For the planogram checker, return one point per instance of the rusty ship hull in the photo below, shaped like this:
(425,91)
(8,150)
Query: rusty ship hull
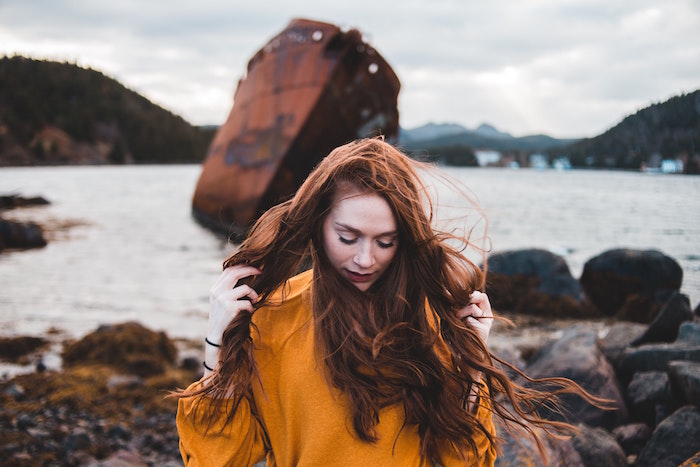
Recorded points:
(310,89)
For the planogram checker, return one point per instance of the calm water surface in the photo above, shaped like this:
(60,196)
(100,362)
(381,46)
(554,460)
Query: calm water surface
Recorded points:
(126,248)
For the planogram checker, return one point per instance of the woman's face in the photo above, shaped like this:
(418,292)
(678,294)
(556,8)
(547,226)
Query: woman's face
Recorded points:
(359,235)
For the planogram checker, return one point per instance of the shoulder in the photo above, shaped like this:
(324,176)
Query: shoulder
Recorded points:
(285,312)
(295,288)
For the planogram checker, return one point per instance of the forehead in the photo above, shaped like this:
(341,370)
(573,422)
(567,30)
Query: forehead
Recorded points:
(362,210)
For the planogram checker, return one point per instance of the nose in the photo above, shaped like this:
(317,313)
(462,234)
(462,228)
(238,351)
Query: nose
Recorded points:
(364,257)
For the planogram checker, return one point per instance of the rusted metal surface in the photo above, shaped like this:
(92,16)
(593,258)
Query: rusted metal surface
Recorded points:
(309,89)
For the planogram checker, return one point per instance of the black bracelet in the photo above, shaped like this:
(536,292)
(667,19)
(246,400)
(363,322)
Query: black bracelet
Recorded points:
(206,339)
(207,366)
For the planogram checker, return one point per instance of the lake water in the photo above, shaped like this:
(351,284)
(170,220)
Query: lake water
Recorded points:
(126,248)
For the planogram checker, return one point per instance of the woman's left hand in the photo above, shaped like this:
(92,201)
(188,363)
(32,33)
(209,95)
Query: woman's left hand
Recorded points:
(478,314)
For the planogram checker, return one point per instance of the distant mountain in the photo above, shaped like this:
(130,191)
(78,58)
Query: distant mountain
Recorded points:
(430,131)
(667,130)
(489,130)
(433,137)
(59,113)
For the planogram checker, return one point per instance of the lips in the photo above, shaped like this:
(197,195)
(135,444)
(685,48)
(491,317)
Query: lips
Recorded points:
(357,277)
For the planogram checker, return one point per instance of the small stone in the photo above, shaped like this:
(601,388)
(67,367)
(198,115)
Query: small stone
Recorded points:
(119,431)
(24,421)
(77,441)
(15,391)
(120,381)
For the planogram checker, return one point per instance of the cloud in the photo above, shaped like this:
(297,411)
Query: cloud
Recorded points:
(562,67)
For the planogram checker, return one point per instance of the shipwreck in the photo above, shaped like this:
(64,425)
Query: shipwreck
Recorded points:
(311,88)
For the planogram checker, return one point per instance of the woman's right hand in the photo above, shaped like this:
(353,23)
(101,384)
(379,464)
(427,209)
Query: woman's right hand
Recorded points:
(227,298)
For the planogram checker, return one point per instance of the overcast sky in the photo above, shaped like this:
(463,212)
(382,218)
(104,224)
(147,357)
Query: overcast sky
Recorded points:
(567,68)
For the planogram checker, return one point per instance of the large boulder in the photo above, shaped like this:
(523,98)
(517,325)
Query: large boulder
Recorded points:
(577,357)
(657,357)
(674,440)
(620,336)
(21,235)
(633,437)
(664,328)
(127,347)
(649,395)
(14,348)
(518,449)
(13,201)
(534,281)
(597,447)
(631,284)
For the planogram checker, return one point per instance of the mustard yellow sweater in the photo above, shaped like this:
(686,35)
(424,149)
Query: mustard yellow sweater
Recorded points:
(302,420)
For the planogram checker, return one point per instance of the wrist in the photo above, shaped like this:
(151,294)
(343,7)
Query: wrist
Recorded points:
(212,342)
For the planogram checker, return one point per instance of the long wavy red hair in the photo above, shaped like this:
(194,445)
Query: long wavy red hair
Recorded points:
(380,347)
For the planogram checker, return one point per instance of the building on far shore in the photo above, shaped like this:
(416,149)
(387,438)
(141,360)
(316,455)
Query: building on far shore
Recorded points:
(487,157)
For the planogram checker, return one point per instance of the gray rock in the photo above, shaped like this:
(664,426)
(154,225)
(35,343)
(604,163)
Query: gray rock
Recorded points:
(534,281)
(79,440)
(25,421)
(518,449)
(618,338)
(577,357)
(597,447)
(20,235)
(632,437)
(510,355)
(646,391)
(689,333)
(656,357)
(674,440)
(665,326)
(686,378)
(121,458)
(620,276)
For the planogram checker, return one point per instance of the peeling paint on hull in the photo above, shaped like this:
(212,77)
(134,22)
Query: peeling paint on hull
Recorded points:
(310,89)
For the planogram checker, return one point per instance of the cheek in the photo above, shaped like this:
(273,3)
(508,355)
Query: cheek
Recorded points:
(386,256)
(335,250)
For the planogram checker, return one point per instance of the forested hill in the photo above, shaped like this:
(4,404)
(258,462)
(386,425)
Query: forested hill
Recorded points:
(667,130)
(59,113)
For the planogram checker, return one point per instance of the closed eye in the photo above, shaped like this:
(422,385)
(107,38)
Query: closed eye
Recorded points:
(385,244)
(347,241)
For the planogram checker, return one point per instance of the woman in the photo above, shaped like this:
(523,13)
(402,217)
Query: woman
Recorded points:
(375,356)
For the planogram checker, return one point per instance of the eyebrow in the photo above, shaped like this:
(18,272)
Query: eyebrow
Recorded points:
(355,231)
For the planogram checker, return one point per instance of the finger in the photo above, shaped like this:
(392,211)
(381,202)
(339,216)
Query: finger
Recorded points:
(231,276)
(481,300)
(470,310)
(482,327)
(478,298)
(241,292)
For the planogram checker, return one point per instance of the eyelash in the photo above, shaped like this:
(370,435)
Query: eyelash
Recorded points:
(350,241)
(347,241)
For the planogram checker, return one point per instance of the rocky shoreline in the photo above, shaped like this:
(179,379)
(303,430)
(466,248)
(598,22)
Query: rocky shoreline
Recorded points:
(623,331)
(20,235)
(106,406)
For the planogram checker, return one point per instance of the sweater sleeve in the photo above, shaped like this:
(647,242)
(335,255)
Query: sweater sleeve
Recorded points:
(241,442)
